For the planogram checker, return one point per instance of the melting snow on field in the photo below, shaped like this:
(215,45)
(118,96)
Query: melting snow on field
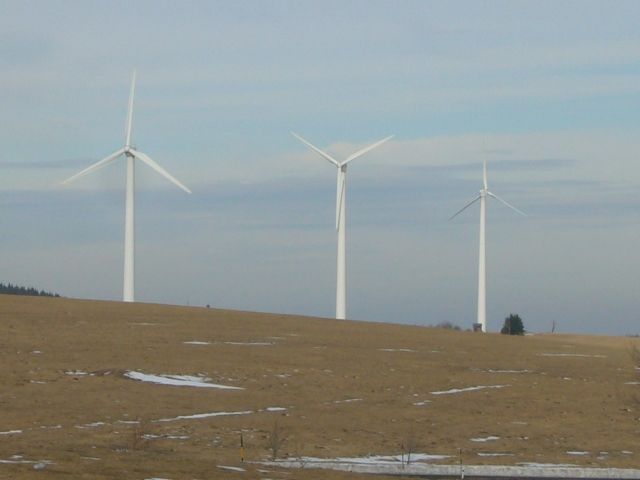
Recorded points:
(11,432)
(151,436)
(37,464)
(196,342)
(91,425)
(178,380)
(373,460)
(490,438)
(77,373)
(203,415)
(509,371)
(570,355)
(232,469)
(468,389)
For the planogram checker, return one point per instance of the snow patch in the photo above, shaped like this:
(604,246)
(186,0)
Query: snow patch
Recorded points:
(275,409)
(17,459)
(490,438)
(577,452)
(570,355)
(468,389)
(373,460)
(178,380)
(480,454)
(196,342)
(91,425)
(509,371)
(11,432)
(232,469)
(250,343)
(396,350)
(422,403)
(198,416)
(77,373)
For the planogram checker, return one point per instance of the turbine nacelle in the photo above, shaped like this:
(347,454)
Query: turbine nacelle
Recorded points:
(483,193)
(342,168)
(129,151)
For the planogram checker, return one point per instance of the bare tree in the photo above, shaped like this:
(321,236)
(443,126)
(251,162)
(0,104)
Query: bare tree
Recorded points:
(409,445)
(276,439)
(139,435)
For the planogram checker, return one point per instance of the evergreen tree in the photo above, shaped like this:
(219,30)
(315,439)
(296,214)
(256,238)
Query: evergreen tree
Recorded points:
(513,325)
(10,289)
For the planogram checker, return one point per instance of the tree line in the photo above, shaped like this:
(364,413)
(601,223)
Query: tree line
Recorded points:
(10,289)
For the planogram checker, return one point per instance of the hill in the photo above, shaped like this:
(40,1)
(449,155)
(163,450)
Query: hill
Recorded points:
(74,402)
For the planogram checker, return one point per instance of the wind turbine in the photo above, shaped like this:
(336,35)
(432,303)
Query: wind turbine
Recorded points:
(131,154)
(341,190)
(482,257)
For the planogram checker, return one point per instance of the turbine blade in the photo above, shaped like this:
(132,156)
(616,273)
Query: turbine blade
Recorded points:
(507,204)
(317,150)
(484,174)
(130,111)
(464,208)
(146,159)
(340,187)
(96,166)
(366,149)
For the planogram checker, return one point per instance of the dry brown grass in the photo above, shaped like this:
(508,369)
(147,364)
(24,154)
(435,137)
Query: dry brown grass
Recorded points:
(563,403)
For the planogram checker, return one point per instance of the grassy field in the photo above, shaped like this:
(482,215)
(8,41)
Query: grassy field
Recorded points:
(327,388)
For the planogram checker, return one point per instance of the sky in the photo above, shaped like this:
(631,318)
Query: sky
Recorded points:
(547,92)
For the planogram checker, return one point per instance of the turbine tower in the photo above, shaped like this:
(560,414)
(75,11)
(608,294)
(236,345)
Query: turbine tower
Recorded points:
(341,190)
(131,154)
(482,257)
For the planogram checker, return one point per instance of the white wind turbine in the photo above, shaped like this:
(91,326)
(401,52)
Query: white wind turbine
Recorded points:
(130,153)
(341,190)
(482,273)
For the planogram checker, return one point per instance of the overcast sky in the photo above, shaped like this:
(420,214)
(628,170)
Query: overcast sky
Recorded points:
(547,92)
